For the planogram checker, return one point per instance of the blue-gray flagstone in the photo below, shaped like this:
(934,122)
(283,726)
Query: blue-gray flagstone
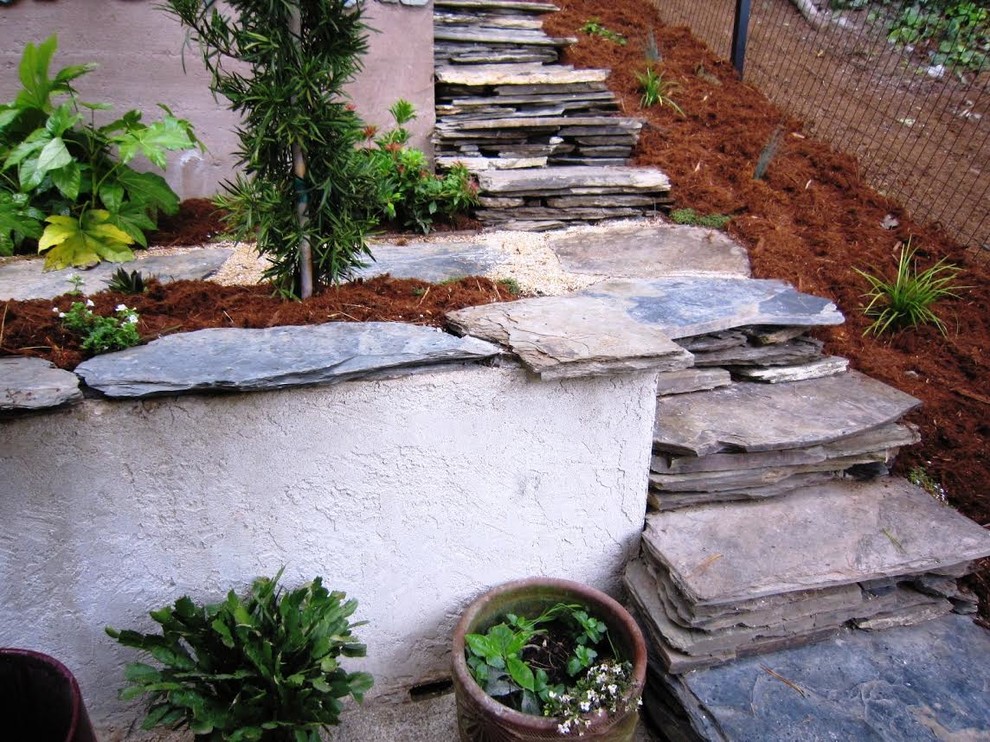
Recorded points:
(909,684)
(25,279)
(683,307)
(35,384)
(234,359)
(432,261)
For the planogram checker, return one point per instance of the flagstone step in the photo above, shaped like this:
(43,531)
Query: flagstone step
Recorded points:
(911,684)
(719,581)
(498,6)
(508,76)
(548,195)
(751,417)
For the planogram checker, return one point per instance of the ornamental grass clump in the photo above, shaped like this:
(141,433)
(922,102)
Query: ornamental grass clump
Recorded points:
(907,300)
(560,664)
(264,667)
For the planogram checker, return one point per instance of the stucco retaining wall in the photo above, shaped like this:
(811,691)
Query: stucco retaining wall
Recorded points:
(139,50)
(412,494)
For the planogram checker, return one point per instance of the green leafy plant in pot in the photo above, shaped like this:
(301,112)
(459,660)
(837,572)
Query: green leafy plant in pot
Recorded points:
(264,667)
(542,658)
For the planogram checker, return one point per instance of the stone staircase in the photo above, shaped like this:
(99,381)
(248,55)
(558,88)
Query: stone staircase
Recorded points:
(773,520)
(544,138)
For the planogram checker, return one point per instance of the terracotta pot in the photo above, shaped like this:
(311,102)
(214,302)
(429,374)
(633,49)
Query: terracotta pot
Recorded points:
(480,718)
(40,700)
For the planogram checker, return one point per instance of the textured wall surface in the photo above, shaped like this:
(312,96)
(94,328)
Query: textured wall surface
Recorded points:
(411,494)
(139,50)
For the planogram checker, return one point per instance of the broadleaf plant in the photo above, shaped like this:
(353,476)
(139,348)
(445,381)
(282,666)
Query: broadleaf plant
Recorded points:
(262,667)
(283,65)
(55,163)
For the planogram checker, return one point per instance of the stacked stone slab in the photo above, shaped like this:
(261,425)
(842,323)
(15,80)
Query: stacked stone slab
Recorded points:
(475,32)
(721,581)
(749,440)
(517,111)
(504,103)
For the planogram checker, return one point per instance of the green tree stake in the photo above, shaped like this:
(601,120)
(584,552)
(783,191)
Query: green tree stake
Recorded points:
(302,198)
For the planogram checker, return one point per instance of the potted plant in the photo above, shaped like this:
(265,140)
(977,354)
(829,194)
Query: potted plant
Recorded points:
(544,658)
(265,667)
(40,699)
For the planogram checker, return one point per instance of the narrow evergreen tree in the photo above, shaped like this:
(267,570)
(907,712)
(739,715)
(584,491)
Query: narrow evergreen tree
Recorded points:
(283,65)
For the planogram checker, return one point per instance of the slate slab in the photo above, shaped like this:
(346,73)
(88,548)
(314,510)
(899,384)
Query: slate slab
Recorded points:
(651,251)
(433,262)
(234,359)
(692,380)
(912,684)
(25,279)
(567,336)
(695,306)
(573,180)
(478,75)
(832,534)
(830,366)
(805,619)
(749,416)
(35,384)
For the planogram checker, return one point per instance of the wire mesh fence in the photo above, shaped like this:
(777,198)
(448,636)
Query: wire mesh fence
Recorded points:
(903,85)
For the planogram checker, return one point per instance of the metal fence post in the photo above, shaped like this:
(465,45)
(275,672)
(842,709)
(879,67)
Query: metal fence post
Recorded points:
(740,27)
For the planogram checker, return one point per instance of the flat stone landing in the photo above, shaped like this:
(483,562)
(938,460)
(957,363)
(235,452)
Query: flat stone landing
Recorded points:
(910,684)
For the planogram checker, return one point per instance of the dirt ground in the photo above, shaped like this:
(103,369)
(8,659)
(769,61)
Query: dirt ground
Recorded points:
(923,139)
(810,221)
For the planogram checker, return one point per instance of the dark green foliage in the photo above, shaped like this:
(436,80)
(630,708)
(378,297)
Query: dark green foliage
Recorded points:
(56,166)
(289,90)
(127,283)
(496,658)
(408,191)
(265,667)
(694,219)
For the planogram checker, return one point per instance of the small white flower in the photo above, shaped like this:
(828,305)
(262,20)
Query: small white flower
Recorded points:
(132,319)
(61,314)
(55,310)
(585,706)
(121,308)
(89,303)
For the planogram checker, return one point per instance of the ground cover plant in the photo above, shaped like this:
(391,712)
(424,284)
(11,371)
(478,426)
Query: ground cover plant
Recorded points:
(811,221)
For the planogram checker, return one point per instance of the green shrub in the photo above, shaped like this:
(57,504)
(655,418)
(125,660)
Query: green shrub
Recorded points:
(56,167)
(408,191)
(304,188)
(263,667)
(907,300)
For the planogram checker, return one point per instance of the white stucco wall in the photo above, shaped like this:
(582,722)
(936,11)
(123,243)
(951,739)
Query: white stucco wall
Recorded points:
(411,494)
(139,50)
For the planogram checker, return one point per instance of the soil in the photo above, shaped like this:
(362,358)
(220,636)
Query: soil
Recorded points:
(811,221)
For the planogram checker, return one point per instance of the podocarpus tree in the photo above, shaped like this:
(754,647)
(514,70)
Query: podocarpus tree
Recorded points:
(283,65)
